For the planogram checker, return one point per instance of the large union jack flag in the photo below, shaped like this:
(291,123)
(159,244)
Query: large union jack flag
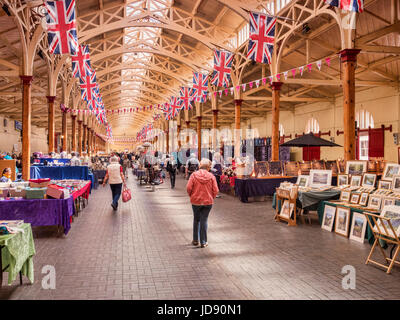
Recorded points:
(349,5)
(200,86)
(88,87)
(175,106)
(222,68)
(81,62)
(186,95)
(61,26)
(261,38)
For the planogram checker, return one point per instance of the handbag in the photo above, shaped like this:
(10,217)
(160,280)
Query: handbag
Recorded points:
(126,194)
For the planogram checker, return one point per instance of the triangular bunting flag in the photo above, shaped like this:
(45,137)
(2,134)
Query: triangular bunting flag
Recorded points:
(319,64)
(301,70)
(285,74)
(293,72)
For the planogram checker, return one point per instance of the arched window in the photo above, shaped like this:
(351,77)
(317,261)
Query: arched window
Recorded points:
(312,126)
(364,119)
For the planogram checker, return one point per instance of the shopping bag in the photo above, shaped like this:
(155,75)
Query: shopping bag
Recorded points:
(126,195)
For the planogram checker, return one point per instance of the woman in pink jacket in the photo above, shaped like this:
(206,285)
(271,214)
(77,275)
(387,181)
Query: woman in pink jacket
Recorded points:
(202,189)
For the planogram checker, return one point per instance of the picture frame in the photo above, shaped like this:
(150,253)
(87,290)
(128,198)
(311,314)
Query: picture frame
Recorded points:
(318,165)
(396,184)
(355,181)
(374,202)
(303,180)
(275,168)
(363,199)
(358,227)
(320,178)
(286,209)
(391,170)
(305,167)
(261,169)
(291,168)
(356,167)
(388,202)
(342,222)
(385,185)
(393,213)
(329,218)
(368,180)
(345,195)
(355,198)
(372,166)
(332,165)
(341,166)
(342,180)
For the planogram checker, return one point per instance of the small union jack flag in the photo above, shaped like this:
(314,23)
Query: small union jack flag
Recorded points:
(186,95)
(222,68)
(61,27)
(349,5)
(81,62)
(88,85)
(261,38)
(175,106)
(200,86)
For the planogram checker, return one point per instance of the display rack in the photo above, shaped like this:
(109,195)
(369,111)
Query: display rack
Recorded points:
(291,196)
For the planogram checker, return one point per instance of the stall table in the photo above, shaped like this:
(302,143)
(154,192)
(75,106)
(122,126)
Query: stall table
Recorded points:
(51,160)
(16,254)
(60,173)
(245,188)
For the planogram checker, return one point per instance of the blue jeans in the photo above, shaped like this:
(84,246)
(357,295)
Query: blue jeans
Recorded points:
(116,190)
(200,222)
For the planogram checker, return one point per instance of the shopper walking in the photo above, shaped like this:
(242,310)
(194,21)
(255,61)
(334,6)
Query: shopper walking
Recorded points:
(116,178)
(216,169)
(192,165)
(202,189)
(125,165)
(170,165)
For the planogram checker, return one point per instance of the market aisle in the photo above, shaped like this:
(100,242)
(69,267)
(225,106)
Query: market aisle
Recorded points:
(143,252)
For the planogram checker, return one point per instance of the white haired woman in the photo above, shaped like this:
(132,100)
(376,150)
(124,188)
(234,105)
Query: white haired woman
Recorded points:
(202,189)
(116,178)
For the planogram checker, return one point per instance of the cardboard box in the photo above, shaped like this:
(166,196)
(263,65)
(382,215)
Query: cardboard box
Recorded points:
(17,193)
(35,193)
(55,192)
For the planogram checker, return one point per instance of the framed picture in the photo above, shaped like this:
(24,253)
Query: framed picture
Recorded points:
(318,165)
(287,209)
(275,168)
(392,213)
(261,169)
(342,221)
(356,167)
(396,183)
(388,202)
(342,180)
(305,167)
(332,165)
(386,185)
(372,166)
(329,218)
(302,181)
(291,168)
(341,166)
(345,196)
(320,178)
(363,199)
(358,227)
(374,202)
(355,181)
(368,180)
(355,198)
(391,170)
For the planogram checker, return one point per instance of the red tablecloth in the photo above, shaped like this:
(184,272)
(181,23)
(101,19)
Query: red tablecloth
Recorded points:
(84,192)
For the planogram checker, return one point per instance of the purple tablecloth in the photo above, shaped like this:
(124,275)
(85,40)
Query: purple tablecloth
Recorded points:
(44,212)
(245,188)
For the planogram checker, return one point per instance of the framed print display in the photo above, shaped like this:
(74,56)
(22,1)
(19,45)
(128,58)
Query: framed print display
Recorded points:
(305,167)
(374,202)
(320,178)
(342,180)
(396,184)
(318,165)
(329,218)
(372,166)
(363,199)
(358,227)
(345,196)
(391,170)
(355,181)
(275,168)
(332,165)
(302,181)
(291,168)
(356,167)
(342,221)
(261,169)
(392,213)
(355,198)
(287,209)
(386,185)
(388,202)
(368,180)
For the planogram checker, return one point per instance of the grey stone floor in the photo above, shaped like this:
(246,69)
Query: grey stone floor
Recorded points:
(143,252)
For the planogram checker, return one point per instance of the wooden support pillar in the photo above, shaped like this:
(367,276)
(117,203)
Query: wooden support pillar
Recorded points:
(349,61)
(167,137)
(51,123)
(237,136)
(73,120)
(214,131)
(64,131)
(80,122)
(179,129)
(276,88)
(84,137)
(187,135)
(26,125)
(199,137)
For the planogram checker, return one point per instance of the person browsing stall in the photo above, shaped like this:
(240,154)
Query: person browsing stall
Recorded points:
(115,177)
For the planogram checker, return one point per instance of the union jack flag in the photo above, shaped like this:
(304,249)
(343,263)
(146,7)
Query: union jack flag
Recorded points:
(81,62)
(200,86)
(175,106)
(186,95)
(88,85)
(222,68)
(261,38)
(349,5)
(61,27)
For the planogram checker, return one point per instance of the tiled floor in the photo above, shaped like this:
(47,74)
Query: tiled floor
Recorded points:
(143,252)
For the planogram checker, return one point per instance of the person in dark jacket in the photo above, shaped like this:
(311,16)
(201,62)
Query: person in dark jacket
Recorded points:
(170,165)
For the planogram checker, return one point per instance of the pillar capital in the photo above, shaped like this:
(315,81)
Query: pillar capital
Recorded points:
(238,102)
(27,80)
(349,54)
(276,86)
(80,121)
(215,111)
(51,99)
(73,116)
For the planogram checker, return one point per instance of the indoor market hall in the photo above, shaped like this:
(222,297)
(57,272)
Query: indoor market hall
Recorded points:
(193,156)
